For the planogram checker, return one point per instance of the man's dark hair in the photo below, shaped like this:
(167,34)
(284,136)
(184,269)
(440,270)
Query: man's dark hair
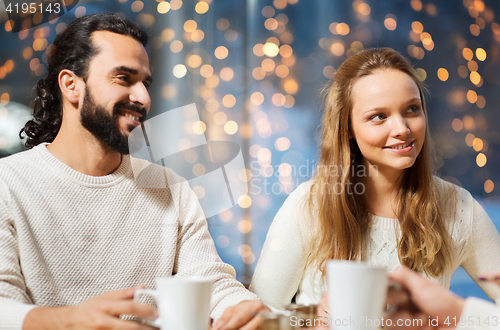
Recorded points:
(72,50)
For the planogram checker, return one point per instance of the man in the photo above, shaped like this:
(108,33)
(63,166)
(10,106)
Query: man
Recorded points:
(78,236)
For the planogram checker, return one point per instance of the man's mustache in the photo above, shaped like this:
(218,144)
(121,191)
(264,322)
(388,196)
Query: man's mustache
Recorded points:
(132,107)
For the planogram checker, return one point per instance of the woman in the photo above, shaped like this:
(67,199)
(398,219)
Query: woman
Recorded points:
(374,197)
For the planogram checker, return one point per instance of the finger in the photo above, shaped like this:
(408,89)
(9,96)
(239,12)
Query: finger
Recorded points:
(410,279)
(322,312)
(397,298)
(129,325)
(235,322)
(404,276)
(238,320)
(408,321)
(121,294)
(224,318)
(424,321)
(418,322)
(397,319)
(323,305)
(254,324)
(113,323)
(130,308)
(241,314)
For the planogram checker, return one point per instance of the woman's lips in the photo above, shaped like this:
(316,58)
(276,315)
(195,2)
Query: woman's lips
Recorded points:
(402,148)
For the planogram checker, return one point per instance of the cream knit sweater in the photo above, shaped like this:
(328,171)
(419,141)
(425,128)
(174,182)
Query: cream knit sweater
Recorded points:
(66,237)
(281,271)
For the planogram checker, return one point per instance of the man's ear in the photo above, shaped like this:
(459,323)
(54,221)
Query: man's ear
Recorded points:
(69,86)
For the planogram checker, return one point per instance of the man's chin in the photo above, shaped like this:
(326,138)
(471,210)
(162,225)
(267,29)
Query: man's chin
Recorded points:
(120,145)
(124,150)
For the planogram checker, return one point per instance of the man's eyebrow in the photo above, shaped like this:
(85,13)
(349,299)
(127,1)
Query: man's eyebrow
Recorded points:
(132,71)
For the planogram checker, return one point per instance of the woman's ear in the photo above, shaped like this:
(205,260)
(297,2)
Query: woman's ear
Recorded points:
(68,84)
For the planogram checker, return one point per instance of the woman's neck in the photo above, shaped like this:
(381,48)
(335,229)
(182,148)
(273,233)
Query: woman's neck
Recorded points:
(381,191)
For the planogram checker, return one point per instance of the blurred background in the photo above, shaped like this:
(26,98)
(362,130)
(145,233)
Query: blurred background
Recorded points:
(255,69)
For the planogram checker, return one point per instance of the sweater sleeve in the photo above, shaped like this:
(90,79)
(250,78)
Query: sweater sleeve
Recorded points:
(14,301)
(282,262)
(479,315)
(483,250)
(197,256)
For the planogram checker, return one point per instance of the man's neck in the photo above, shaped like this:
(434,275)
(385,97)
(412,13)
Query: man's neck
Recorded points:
(81,151)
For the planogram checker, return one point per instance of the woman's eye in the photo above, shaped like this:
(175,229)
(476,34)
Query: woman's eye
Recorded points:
(378,117)
(414,109)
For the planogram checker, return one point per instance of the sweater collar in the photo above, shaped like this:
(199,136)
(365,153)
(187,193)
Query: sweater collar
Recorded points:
(61,168)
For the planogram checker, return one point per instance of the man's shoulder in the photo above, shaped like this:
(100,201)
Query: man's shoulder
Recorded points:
(17,160)
(13,170)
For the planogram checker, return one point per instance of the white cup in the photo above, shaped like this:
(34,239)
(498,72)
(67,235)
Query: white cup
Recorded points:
(356,295)
(183,302)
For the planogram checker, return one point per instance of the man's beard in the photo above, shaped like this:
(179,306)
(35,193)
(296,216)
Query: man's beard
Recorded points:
(105,126)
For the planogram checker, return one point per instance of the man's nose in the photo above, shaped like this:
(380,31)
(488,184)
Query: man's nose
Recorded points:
(140,96)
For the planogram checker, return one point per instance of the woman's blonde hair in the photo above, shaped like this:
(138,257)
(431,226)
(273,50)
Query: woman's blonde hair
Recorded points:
(339,212)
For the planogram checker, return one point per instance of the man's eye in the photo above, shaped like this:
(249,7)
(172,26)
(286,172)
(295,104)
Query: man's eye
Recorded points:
(124,78)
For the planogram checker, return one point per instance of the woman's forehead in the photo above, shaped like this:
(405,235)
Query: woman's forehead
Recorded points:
(383,88)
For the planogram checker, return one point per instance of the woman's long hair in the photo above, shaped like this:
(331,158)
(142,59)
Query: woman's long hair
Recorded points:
(72,50)
(340,215)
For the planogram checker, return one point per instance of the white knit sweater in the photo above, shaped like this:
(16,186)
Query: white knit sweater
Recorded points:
(281,272)
(66,237)
(477,314)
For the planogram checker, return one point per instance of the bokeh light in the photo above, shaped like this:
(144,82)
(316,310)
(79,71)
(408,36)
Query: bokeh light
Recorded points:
(256,82)
(221,52)
(163,7)
(179,70)
(201,7)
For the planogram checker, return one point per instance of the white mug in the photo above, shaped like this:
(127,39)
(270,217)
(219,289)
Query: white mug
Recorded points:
(356,295)
(183,302)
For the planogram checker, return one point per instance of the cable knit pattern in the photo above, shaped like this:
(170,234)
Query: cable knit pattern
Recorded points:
(281,272)
(66,237)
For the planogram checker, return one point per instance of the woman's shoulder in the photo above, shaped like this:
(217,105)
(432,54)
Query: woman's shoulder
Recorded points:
(298,199)
(451,194)
(295,210)
(302,191)
(456,205)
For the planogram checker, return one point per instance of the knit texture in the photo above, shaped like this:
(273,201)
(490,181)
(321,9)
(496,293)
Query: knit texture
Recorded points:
(281,271)
(66,237)
(478,315)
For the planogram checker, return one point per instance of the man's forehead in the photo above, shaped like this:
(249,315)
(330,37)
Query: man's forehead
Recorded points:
(117,48)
